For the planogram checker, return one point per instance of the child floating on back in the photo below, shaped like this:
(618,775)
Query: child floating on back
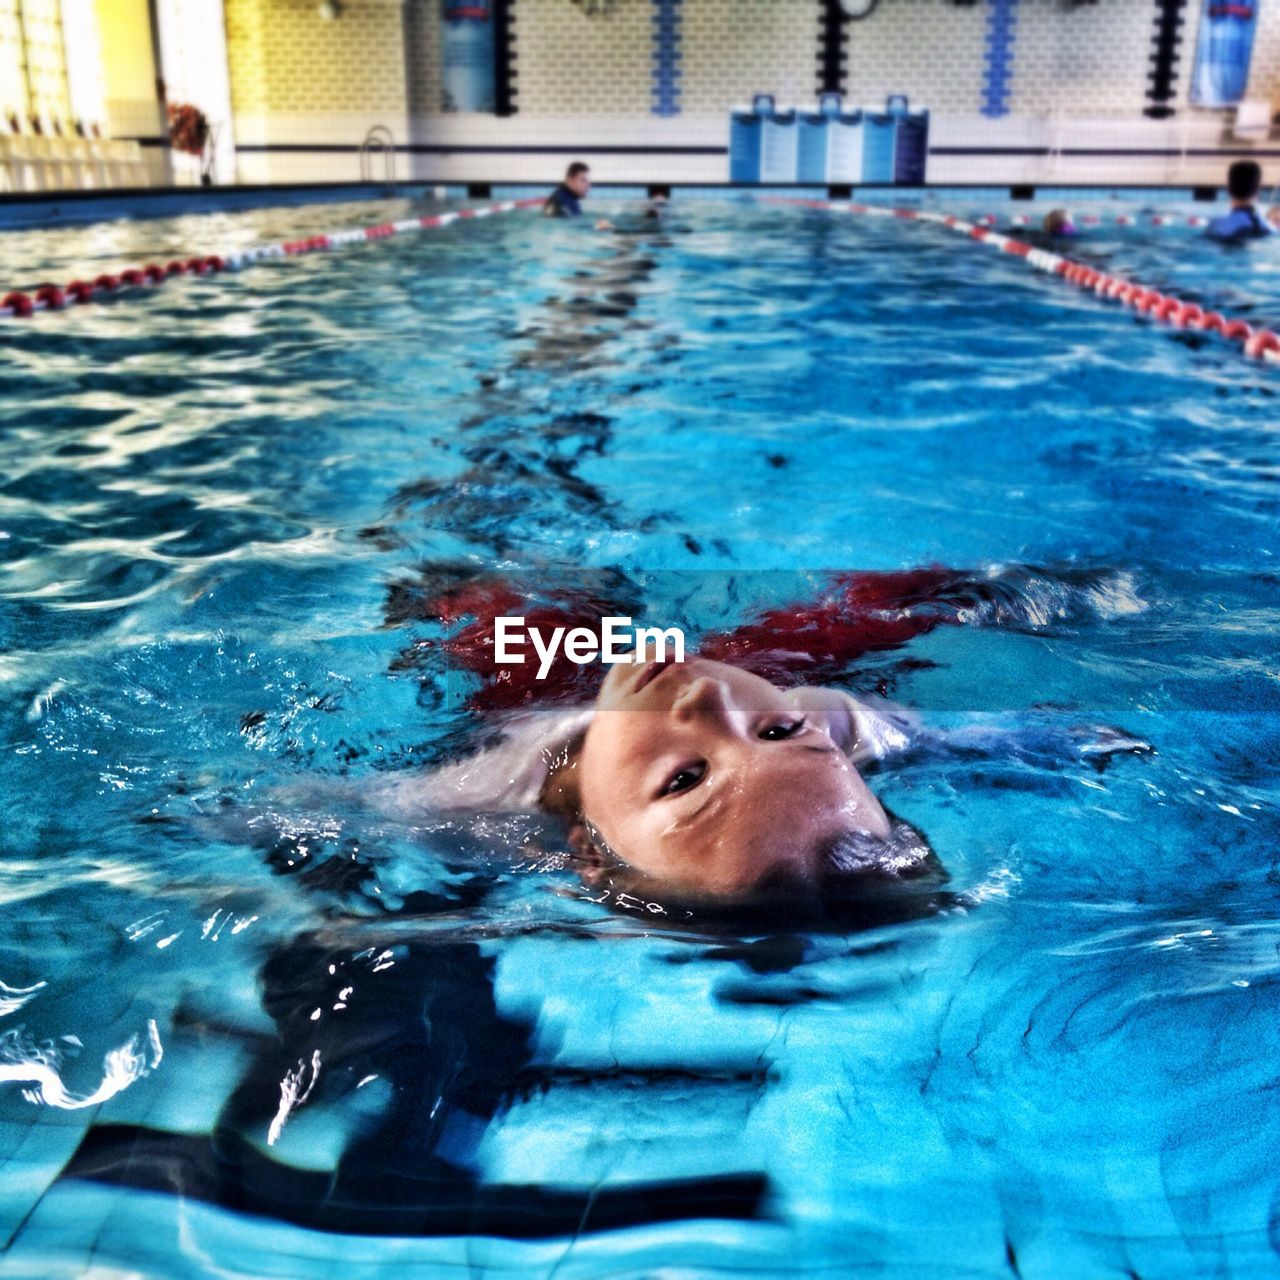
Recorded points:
(716,777)
(699,776)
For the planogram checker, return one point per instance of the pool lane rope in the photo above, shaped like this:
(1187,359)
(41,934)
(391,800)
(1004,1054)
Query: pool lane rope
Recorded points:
(1257,344)
(1119,220)
(52,297)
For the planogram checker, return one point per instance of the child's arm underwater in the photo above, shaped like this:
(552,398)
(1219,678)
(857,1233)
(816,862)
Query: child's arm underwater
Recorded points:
(505,777)
(865,728)
(510,774)
(869,728)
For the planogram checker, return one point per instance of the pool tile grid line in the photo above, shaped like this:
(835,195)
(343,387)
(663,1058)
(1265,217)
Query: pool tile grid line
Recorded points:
(1257,344)
(52,297)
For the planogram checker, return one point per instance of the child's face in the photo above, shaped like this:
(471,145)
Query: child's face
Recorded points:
(710,778)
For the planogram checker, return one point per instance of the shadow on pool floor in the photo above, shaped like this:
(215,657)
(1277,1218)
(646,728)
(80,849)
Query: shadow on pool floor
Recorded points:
(236,1175)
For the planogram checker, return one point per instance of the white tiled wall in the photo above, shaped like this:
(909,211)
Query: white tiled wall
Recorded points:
(570,61)
(917,47)
(1090,60)
(733,48)
(584,85)
(1086,60)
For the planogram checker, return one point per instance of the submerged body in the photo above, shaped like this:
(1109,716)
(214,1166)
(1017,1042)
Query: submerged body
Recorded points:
(1243,223)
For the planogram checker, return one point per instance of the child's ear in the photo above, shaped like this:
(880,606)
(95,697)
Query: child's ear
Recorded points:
(591,865)
(561,794)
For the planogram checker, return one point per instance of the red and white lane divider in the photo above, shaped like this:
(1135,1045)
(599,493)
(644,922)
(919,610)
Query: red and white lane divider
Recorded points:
(1117,220)
(52,297)
(1259,344)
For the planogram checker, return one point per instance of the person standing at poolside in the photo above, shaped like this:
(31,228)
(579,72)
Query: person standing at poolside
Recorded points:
(1244,222)
(566,200)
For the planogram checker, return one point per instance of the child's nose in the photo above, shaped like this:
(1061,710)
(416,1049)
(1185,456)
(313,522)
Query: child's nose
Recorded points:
(703,697)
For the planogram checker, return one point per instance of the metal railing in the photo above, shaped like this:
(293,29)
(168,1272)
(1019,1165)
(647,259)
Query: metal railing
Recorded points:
(379,138)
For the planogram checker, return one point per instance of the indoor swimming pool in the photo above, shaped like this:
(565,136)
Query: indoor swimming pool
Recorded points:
(252,1025)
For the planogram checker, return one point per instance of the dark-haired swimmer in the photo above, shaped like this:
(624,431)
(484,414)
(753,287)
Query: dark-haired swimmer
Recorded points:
(1058,222)
(1244,222)
(719,776)
(566,200)
(698,775)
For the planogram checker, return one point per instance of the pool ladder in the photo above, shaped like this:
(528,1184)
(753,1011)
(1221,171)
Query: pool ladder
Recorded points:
(379,138)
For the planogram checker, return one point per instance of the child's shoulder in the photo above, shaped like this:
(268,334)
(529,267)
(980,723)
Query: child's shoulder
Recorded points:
(506,772)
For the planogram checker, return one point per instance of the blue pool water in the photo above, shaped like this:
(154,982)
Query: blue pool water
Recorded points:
(239,1037)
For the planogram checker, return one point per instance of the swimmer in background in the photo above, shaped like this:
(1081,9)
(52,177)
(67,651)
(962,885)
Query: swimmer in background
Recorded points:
(649,221)
(1058,222)
(566,200)
(1244,222)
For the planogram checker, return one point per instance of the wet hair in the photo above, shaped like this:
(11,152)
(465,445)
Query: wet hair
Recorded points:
(903,854)
(865,884)
(576,168)
(1244,179)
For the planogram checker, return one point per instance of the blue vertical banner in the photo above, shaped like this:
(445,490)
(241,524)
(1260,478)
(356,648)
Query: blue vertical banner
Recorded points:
(466,55)
(1223,52)
(666,57)
(1002,22)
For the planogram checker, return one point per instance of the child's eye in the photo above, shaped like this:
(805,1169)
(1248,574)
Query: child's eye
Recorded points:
(684,778)
(778,732)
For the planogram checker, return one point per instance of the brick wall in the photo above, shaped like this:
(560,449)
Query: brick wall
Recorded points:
(1076,77)
(573,63)
(299,79)
(284,58)
(1090,61)
(932,53)
(246,56)
(734,48)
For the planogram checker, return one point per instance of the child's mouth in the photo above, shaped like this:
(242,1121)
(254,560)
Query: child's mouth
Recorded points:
(651,672)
